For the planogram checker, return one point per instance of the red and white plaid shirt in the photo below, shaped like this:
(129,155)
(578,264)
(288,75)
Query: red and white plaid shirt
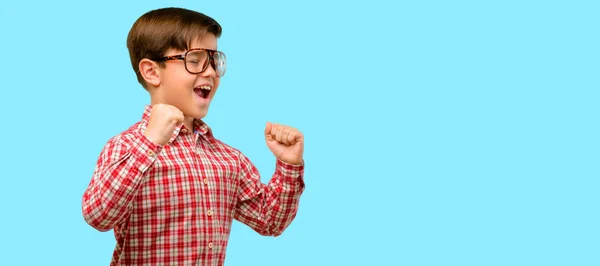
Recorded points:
(174,204)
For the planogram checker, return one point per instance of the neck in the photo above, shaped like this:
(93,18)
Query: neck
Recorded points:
(188,122)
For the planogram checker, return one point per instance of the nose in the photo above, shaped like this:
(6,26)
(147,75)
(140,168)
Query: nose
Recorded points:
(210,70)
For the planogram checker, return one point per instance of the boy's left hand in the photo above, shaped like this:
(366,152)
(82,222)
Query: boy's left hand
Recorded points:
(286,143)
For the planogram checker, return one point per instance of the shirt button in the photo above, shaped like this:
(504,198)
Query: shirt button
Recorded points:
(184,131)
(210,245)
(209,213)
(205,181)
(150,153)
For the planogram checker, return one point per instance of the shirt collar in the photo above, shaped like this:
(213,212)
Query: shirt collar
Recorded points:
(199,126)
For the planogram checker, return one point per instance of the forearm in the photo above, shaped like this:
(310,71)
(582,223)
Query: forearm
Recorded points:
(118,175)
(273,208)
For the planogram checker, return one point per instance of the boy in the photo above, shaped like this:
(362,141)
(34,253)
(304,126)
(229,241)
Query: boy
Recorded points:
(166,186)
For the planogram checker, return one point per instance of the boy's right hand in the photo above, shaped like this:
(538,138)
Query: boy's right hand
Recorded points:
(163,120)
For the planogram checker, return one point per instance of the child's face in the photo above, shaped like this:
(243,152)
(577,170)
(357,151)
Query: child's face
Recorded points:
(182,89)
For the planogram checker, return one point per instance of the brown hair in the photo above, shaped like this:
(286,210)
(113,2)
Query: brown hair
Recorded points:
(159,30)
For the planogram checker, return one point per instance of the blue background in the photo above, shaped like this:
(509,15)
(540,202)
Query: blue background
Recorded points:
(437,132)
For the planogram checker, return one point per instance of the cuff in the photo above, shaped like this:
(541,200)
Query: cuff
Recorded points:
(290,171)
(144,151)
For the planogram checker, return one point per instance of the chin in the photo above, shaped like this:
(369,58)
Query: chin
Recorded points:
(197,114)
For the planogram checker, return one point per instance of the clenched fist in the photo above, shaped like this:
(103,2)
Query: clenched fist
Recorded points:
(163,120)
(286,143)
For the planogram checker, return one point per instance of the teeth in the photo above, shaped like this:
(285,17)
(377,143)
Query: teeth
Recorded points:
(205,87)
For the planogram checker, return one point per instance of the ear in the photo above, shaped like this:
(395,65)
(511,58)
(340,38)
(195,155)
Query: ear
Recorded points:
(150,71)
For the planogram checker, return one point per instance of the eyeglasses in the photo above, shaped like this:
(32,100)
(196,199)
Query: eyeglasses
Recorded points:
(197,60)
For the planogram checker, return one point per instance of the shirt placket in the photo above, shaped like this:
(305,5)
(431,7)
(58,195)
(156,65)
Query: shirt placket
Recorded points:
(209,220)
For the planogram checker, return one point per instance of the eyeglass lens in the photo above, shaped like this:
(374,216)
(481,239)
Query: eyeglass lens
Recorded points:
(197,61)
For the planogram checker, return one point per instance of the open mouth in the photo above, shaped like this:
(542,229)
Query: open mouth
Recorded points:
(203,91)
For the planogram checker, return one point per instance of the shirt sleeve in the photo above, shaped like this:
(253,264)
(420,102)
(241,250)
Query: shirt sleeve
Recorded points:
(119,171)
(269,208)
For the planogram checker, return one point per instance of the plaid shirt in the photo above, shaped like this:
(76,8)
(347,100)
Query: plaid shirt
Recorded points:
(174,204)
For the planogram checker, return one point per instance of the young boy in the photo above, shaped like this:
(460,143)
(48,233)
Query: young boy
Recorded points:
(166,186)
